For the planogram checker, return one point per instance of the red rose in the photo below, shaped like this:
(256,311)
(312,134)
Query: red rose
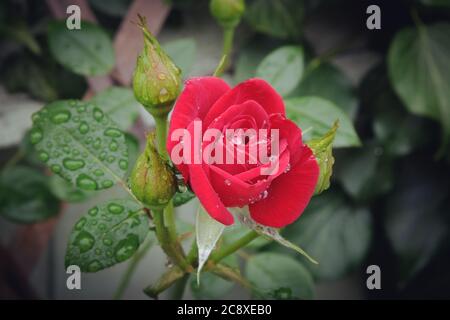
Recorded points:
(274,200)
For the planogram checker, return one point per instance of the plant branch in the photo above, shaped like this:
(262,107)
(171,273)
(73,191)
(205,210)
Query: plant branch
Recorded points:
(166,280)
(227,250)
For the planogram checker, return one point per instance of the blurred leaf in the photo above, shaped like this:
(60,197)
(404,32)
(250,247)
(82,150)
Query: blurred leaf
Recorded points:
(279,276)
(420,71)
(65,191)
(282,68)
(208,231)
(212,286)
(335,233)
(365,173)
(280,19)
(115,8)
(79,142)
(398,131)
(415,218)
(120,105)
(108,234)
(316,115)
(87,51)
(25,197)
(436,3)
(181,198)
(322,149)
(250,56)
(182,52)
(328,82)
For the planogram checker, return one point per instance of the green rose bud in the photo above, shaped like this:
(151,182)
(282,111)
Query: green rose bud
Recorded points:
(228,13)
(152,180)
(156,79)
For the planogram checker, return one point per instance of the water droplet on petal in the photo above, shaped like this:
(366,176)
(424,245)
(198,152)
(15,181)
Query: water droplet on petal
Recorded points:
(123,164)
(227,182)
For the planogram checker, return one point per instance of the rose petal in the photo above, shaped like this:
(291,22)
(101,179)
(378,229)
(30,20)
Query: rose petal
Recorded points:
(289,194)
(197,98)
(252,89)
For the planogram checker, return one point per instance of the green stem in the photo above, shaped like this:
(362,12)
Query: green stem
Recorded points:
(169,219)
(228,36)
(179,288)
(161,135)
(226,251)
(125,281)
(193,252)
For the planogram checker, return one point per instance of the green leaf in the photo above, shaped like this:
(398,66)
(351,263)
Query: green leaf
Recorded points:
(416,215)
(107,234)
(87,51)
(316,115)
(268,232)
(398,131)
(334,232)
(25,197)
(182,52)
(80,143)
(212,286)
(365,173)
(181,198)
(120,105)
(66,191)
(280,19)
(323,151)
(279,276)
(250,56)
(283,68)
(208,231)
(420,71)
(133,150)
(328,82)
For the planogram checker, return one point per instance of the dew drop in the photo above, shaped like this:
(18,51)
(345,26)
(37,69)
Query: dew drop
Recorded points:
(111,159)
(83,128)
(113,133)
(123,164)
(84,241)
(107,242)
(98,114)
(43,156)
(113,146)
(94,266)
(61,116)
(126,247)
(81,109)
(73,164)
(163,95)
(102,226)
(98,251)
(107,184)
(102,155)
(80,224)
(93,211)
(161,76)
(98,172)
(55,168)
(115,208)
(36,136)
(97,143)
(85,182)
(227,182)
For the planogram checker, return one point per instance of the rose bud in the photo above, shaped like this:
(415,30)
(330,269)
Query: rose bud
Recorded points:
(228,13)
(152,180)
(156,79)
